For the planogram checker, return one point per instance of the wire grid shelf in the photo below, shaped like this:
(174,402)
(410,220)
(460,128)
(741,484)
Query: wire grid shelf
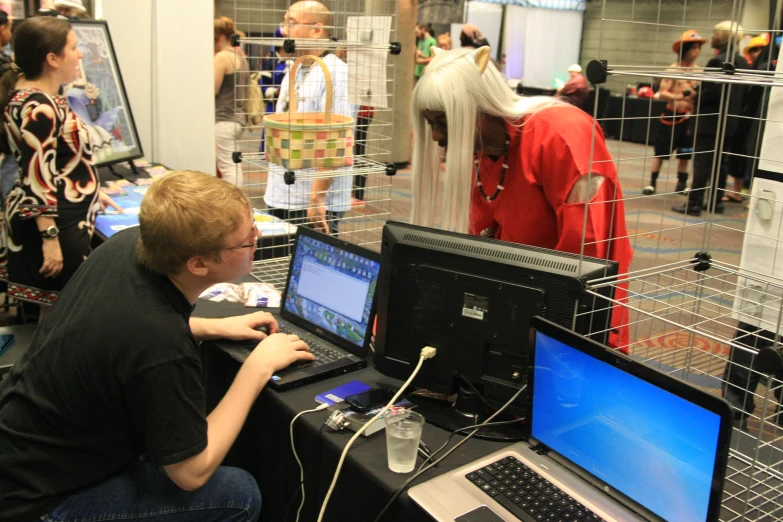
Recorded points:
(683,321)
(362,36)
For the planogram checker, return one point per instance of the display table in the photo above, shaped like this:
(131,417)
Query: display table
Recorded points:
(274,233)
(263,447)
(640,118)
(23,334)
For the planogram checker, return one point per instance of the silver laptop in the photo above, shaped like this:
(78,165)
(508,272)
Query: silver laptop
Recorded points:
(609,439)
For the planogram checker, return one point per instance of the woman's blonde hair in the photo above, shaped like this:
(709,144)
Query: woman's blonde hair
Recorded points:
(224,26)
(186,214)
(453,83)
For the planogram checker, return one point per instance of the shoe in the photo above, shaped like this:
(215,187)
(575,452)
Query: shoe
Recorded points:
(682,186)
(649,190)
(719,208)
(685,209)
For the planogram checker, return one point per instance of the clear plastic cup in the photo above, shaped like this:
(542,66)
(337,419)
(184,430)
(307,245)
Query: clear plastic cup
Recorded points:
(403,432)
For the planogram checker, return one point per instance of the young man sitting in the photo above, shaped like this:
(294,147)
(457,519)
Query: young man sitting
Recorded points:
(104,417)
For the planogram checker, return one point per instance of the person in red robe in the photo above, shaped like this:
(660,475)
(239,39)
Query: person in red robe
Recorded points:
(534,171)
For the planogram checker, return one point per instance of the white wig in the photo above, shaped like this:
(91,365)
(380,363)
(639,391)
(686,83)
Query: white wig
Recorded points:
(464,84)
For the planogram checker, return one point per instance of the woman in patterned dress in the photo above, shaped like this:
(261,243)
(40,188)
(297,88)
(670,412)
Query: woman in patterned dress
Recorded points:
(50,214)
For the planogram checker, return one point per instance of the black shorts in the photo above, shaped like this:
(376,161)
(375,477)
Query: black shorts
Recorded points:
(675,139)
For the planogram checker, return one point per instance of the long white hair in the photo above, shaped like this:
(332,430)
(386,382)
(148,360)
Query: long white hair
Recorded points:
(463,84)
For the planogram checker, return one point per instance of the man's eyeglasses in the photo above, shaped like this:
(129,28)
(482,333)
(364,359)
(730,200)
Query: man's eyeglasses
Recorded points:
(248,245)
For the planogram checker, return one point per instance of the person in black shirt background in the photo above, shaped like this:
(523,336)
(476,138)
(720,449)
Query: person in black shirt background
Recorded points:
(713,109)
(104,416)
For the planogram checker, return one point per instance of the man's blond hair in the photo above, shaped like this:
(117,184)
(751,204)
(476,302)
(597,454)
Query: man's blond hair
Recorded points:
(186,214)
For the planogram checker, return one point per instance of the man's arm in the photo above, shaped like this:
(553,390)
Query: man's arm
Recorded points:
(225,421)
(238,328)
(316,212)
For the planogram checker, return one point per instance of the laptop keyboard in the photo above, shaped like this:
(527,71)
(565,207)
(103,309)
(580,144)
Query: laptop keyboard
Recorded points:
(323,354)
(527,494)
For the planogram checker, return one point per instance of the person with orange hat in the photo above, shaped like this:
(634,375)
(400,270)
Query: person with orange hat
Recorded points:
(755,46)
(716,107)
(676,131)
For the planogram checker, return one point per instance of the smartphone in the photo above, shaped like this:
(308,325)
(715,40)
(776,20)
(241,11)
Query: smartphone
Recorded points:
(370,399)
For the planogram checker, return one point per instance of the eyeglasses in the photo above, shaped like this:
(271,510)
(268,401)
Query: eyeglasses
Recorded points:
(254,232)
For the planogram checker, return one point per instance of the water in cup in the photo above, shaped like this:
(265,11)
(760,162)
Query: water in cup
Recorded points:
(403,431)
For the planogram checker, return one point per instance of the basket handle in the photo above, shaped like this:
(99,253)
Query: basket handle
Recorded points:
(292,105)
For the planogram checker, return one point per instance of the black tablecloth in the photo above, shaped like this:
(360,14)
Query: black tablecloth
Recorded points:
(263,447)
(640,121)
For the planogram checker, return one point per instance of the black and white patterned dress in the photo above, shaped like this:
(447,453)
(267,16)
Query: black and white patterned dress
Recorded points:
(56,179)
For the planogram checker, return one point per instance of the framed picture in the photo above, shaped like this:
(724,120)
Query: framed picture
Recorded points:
(98,97)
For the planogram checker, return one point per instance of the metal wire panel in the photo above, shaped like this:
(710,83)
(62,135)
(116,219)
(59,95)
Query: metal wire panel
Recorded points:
(712,328)
(359,196)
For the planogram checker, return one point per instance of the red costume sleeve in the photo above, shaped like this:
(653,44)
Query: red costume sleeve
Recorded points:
(562,156)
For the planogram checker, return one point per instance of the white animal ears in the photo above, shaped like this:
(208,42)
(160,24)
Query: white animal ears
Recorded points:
(481,57)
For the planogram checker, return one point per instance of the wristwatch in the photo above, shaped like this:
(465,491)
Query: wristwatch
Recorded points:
(50,232)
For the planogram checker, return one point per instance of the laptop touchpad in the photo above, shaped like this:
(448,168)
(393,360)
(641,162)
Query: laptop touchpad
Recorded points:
(480,514)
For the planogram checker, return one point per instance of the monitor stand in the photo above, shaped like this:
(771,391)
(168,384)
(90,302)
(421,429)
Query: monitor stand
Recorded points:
(466,411)
(130,173)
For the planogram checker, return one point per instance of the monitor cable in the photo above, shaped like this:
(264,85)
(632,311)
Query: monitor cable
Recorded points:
(465,428)
(426,353)
(452,450)
(299,462)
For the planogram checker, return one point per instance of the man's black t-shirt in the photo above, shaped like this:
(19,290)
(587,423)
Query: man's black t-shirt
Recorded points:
(113,372)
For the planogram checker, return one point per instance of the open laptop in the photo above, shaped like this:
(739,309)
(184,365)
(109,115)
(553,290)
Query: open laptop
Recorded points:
(609,439)
(329,301)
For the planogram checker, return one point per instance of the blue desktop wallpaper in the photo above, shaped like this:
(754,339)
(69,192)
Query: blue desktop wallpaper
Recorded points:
(647,443)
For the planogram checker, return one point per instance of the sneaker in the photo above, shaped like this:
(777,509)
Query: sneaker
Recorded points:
(649,190)
(685,209)
(681,187)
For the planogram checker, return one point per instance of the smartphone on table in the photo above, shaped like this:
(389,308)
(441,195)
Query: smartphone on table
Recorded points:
(370,399)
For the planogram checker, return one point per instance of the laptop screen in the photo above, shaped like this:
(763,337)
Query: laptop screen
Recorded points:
(332,288)
(651,445)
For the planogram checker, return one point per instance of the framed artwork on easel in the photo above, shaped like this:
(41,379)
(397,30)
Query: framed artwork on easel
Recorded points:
(98,97)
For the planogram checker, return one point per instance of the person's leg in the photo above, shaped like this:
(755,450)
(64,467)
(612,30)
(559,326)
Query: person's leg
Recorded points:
(9,172)
(333,219)
(702,170)
(682,175)
(739,378)
(662,150)
(143,491)
(360,148)
(225,138)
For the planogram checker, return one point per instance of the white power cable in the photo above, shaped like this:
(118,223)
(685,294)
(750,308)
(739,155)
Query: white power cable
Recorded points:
(426,353)
(293,448)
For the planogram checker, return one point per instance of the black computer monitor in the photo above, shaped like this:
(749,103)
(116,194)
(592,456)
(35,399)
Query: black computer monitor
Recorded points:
(472,298)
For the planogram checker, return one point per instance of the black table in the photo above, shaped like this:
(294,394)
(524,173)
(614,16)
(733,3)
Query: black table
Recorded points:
(263,447)
(641,118)
(23,334)
(269,245)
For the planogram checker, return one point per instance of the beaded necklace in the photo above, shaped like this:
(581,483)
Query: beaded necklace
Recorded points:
(499,188)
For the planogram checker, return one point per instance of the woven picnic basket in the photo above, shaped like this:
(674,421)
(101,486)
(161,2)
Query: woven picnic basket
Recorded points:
(300,140)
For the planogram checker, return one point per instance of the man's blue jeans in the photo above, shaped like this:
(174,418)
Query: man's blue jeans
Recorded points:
(143,491)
